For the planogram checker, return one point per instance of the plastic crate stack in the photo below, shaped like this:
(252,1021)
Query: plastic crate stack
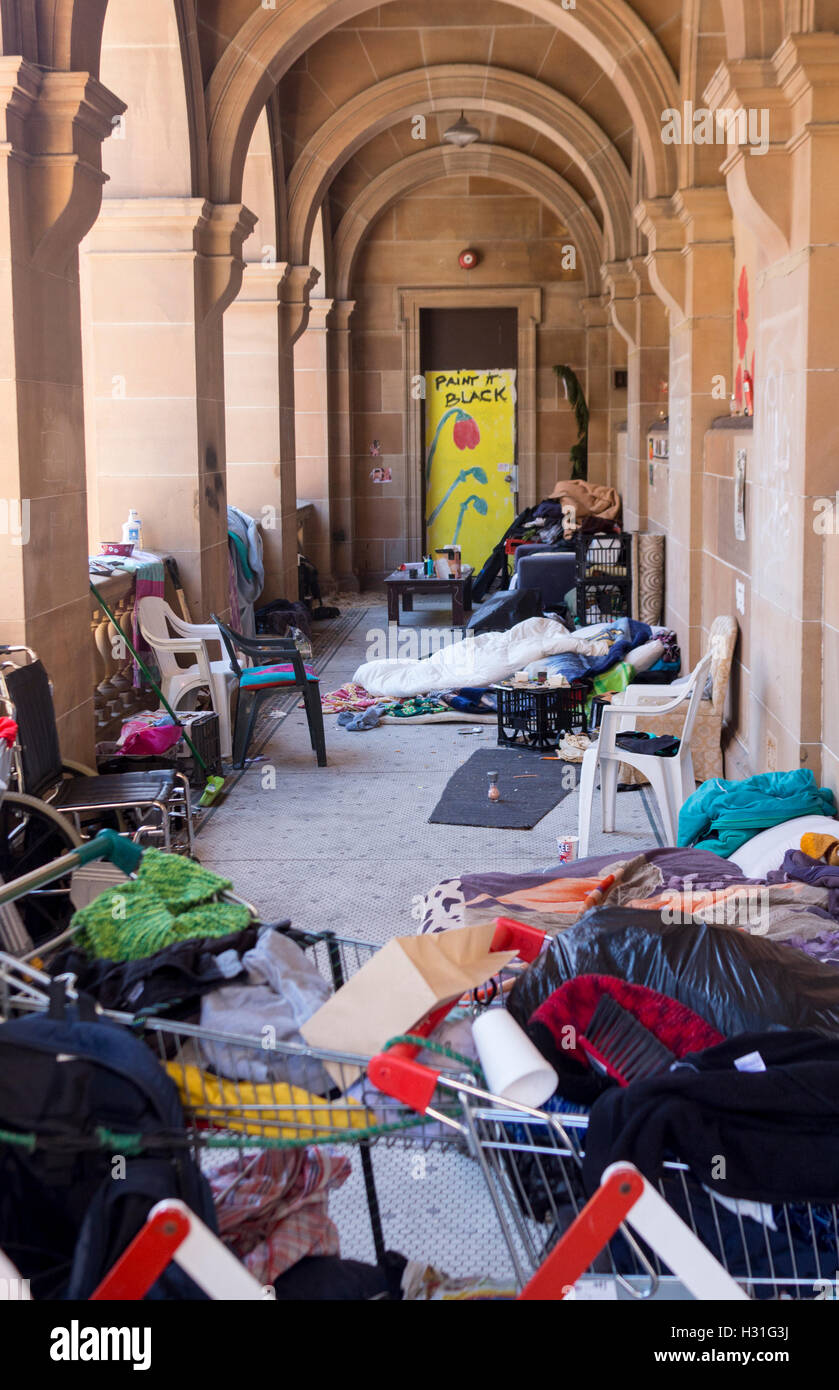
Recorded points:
(538,718)
(604,578)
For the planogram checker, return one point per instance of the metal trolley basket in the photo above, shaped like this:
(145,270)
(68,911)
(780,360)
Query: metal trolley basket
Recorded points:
(632,1238)
(244,1094)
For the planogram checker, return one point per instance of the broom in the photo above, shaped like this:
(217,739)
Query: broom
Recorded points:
(213,785)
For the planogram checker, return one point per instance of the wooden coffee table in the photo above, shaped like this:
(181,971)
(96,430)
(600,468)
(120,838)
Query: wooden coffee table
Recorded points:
(399,584)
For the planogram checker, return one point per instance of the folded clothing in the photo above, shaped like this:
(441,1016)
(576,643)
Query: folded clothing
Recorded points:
(275,1212)
(413,708)
(272,1111)
(706,1107)
(650,745)
(799,866)
(722,815)
(361,721)
(567,1013)
(350,696)
(171,981)
(283,989)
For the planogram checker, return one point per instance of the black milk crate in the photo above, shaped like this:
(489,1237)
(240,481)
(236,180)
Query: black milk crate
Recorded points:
(537,716)
(604,578)
(203,729)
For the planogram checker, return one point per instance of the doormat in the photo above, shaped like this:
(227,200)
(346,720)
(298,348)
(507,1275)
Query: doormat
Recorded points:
(529,787)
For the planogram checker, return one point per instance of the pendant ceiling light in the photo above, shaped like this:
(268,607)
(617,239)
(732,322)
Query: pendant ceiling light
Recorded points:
(461,133)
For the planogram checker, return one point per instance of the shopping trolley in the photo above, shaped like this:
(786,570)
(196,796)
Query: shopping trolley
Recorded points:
(242,1094)
(633,1238)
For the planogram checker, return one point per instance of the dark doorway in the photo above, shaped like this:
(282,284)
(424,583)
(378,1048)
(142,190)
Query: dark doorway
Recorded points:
(456,339)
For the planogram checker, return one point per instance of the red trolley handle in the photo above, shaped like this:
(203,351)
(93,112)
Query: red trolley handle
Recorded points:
(396,1072)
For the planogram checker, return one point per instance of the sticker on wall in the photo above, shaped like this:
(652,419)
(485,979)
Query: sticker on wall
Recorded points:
(740,495)
(470,440)
(381,475)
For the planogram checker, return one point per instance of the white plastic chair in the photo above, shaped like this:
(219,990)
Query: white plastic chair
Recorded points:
(157,623)
(671,779)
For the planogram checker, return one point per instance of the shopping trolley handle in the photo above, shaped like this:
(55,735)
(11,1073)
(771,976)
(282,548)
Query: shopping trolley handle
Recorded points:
(525,940)
(108,844)
(398,1074)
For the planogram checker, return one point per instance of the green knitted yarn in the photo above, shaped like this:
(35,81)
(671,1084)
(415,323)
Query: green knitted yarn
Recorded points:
(134,920)
(178,881)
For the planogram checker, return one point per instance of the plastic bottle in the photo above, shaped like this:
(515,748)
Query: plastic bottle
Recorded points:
(132,530)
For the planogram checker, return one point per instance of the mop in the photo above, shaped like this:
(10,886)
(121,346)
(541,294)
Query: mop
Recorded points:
(213,785)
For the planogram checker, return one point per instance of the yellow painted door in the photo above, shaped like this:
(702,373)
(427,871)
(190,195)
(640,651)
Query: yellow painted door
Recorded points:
(470,454)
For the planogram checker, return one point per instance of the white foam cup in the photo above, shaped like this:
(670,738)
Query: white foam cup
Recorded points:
(513,1067)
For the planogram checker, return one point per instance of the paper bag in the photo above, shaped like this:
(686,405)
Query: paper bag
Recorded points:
(396,989)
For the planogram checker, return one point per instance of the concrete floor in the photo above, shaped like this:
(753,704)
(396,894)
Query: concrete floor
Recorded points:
(349,847)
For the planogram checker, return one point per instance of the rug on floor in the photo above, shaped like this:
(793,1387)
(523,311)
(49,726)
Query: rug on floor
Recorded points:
(530,787)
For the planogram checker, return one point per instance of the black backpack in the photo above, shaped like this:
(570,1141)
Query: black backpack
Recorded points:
(67,1209)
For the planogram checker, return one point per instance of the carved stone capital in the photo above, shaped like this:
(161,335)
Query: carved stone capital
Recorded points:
(295,290)
(594,311)
(220,235)
(340,315)
(53,125)
(620,285)
(661,224)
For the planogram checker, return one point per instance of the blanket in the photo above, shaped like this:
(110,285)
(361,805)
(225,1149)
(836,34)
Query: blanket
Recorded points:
(587,499)
(555,898)
(245,540)
(687,884)
(475,661)
(621,638)
(721,816)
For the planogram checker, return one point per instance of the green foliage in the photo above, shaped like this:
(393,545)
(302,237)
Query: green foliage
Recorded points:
(578,453)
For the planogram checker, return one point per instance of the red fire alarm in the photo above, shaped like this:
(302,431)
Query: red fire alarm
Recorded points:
(468,259)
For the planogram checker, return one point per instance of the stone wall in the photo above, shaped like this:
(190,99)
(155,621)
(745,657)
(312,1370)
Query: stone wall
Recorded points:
(416,243)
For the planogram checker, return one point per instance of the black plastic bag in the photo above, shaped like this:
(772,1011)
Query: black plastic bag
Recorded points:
(737,982)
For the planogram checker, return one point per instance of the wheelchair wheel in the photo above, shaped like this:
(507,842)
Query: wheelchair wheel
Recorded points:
(32,834)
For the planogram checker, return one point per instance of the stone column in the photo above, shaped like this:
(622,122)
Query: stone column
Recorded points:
(252,401)
(261,327)
(311,425)
(787,198)
(691,266)
(595,315)
(53,124)
(641,319)
(158,274)
(339,397)
(616,418)
(294,316)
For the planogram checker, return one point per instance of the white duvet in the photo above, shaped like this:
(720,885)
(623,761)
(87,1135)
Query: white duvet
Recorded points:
(474,661)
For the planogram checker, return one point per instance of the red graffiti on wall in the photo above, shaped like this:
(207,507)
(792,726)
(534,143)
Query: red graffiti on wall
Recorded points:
(742,330)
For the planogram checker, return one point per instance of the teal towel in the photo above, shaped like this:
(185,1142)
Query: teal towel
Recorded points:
(721,816)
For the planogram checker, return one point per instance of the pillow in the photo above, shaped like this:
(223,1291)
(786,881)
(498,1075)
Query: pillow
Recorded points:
(765,852)
(643,657)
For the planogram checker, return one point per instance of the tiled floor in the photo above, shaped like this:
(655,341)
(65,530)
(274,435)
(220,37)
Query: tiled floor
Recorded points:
(349,847)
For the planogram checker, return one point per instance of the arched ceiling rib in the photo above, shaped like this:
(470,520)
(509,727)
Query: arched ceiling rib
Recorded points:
(270,41)
(444,88)
(510,166)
